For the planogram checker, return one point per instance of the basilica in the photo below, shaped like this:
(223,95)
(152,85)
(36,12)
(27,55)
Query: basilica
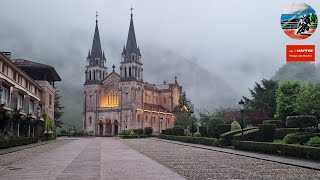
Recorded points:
(114,101)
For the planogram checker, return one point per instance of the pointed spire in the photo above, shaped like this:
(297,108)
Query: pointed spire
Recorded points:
(103,56)
(96,51)
(131,46)
(124,50)
(89,56)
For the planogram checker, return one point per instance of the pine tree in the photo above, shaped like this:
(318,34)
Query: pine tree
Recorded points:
(57,108)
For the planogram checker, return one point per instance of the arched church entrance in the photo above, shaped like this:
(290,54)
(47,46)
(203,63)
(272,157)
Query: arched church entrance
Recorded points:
(108,127)
(115,127)
(100,128)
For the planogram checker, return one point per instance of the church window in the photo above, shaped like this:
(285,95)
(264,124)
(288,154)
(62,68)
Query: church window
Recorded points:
(125,71)
(164,100)
(168,121)
(126,127)
(146,119)
(126,118)
(90,120)
(138,118)
(89,75)
(94,74)
(130,71)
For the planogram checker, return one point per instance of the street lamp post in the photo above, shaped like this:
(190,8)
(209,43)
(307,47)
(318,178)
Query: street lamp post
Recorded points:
(191,112)
(241,104)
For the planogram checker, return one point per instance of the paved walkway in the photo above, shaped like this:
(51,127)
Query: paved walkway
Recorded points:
(274,158)
(90,158)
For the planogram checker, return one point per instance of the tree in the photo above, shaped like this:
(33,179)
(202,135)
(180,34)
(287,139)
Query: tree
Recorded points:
(308,101)
(286,100)
(263,98)
(57,109)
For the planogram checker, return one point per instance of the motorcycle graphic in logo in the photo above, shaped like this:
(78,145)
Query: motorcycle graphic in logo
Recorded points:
(299,21)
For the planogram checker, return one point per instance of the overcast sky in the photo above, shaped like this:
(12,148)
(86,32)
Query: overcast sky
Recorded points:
(238,41)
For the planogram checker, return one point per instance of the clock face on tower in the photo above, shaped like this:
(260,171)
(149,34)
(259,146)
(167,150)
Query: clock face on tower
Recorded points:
(90,92)
(126,90)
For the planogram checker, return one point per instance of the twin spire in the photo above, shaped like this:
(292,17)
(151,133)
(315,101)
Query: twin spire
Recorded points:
(130,48)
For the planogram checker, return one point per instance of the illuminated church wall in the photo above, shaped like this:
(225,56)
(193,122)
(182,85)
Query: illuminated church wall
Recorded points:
(109,99)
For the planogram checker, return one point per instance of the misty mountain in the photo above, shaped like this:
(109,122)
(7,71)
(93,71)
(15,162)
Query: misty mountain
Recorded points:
(303,72)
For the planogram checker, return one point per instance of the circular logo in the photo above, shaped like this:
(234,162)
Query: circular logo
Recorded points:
(299,21)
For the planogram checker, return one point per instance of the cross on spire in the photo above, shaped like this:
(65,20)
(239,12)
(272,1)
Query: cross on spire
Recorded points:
(131,9)
(113,67)
(97,16)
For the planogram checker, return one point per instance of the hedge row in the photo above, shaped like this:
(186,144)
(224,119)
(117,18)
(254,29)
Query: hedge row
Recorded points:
(282,132)
(278,123)
(194,140)
(249,135)
(301,121)
(228,136)
(17,142)
(134,136)
(283,149)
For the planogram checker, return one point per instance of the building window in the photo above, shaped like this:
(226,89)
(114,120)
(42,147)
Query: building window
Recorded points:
(5,95)
(31,107)
(14,76)
(90,120)
(19,102)
(164,100)
(50,100)
(130,71)
(125,71)
(126,119)
(146,119)
(138,118)
(168,121)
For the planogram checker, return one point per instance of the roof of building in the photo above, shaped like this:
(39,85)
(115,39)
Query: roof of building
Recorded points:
(37,71)
(154,107)
(131,46)
(96,51)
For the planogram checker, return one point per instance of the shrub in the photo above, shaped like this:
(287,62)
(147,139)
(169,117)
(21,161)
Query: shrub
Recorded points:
(138,131)
(228,136)
(301,121)
(178,130)
(81,132)
(197,134)
(235,126)
(72,133)
(195,140)
(203,131)
(63,131)
(169,131)
(283,149)
(313,142)
(249,135)
(148,131)
(86,133)
(298,138)
(125,132)
(276,122)
(132,133)
(222,128)
(4,143)
(266,132)
(21,141)
(282,132)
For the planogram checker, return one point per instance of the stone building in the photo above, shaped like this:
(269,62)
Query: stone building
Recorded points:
(27,87)
(121,101)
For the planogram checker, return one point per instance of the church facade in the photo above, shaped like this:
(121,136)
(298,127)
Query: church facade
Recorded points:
(114,102)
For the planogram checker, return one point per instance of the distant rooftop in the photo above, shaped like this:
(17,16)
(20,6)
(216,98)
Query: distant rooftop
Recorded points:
(37,71)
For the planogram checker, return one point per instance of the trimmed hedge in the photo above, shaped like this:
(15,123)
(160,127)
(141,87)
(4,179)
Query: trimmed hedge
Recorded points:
(249,135)
(138,131)
(178,130)
(133,136)
(267,132)
(313,142)
(223,128)
(282,132)
(276,122)
(194,140)
(17,142)
(283,149)
(168,131)
(148,131)
(301,121)
(298,138)
(228,136)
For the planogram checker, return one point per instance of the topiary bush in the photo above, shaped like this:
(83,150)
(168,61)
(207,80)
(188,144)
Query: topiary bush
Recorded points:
(301,121)
(169,131)
(178,130)
(148,131)
(235,126)
(203,131)
(125,132)
(138,131)
(266,132)
(313,142)
(298,138)
(282,132)
(276,122)
(249,135)
(222,128)
(228,136)
(197,134)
